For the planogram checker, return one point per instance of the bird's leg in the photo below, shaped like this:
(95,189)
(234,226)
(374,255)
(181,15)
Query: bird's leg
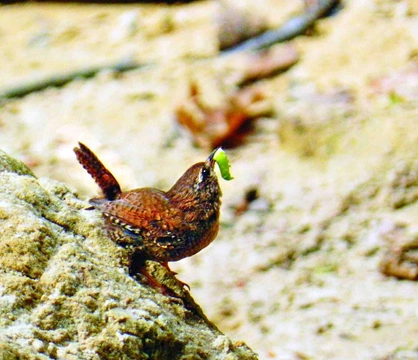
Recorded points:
(103,177)
(165,264)
(137,266)
(151,281)
(183,284)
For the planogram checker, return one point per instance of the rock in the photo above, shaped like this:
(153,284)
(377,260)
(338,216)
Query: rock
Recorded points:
(65,292)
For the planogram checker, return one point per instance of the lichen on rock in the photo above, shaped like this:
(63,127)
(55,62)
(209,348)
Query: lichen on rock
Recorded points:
(65,292)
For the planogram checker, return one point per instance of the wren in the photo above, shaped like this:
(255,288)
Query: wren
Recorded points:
(152,224)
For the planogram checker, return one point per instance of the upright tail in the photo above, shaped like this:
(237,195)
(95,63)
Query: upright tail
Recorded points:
(103,177)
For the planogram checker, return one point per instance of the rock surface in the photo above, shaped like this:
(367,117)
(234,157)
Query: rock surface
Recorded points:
(64,293)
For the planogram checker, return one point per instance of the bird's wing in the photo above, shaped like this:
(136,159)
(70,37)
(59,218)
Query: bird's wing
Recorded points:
(143,209)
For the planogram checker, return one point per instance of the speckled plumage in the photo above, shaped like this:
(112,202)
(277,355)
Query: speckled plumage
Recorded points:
(156,225)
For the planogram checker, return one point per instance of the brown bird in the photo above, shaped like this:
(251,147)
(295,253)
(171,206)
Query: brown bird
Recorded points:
(153,224)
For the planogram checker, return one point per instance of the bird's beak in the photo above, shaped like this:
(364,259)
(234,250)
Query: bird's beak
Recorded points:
(211,159)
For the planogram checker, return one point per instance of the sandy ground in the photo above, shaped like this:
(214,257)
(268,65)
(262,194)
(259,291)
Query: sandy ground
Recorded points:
(297,275)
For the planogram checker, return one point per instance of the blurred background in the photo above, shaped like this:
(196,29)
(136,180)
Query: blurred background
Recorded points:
(316,255)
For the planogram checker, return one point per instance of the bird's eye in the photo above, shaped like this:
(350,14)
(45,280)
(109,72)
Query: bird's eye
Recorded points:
(204,174)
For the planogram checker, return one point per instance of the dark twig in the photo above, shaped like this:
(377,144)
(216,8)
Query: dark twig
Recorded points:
(292,28)
(62,79)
